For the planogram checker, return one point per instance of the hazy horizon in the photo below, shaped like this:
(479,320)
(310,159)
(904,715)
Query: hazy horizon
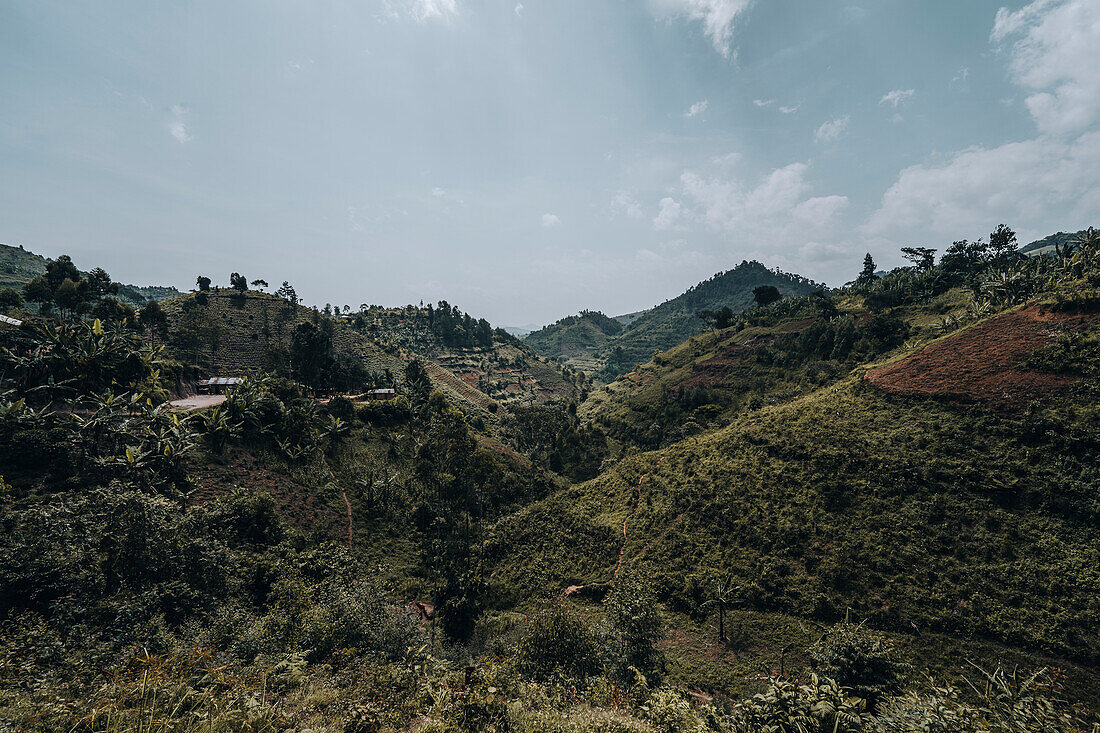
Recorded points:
(527,160)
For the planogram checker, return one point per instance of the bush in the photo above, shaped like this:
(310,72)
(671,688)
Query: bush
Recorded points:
(558,642)
(632,629)
(861,660)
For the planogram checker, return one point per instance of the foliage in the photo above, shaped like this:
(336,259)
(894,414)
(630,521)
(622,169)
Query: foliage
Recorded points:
(860,660)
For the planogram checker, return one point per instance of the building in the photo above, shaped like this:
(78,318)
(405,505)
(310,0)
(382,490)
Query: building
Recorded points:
(219,385)
(381,394)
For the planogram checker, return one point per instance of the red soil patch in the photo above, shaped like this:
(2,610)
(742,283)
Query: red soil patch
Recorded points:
(982,364)
(718,367)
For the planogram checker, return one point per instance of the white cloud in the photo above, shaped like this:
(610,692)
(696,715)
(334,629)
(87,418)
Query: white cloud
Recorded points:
(697,109)
(668,214)
(420,10)
(763,102)
(1022,183)
(623,202)
(1056,55)
(775,218)
(961,75)
(550,220)
(897,96)
(179,131)
(718,18)
(177,126)
(519,8)
(1050,181)
(789,110)
(831,130)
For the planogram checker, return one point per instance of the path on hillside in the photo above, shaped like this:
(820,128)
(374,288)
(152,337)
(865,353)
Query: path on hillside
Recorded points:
(637,504)
(196,402)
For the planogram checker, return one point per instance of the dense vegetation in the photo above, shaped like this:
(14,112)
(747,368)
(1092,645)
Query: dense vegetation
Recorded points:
(809,550)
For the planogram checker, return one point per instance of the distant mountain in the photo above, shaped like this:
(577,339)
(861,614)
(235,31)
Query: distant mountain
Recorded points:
(1048,245)
(19,266)
(607,347)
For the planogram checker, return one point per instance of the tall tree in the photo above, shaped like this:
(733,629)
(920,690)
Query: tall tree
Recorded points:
(1002,243)
(203,282)
(868,273)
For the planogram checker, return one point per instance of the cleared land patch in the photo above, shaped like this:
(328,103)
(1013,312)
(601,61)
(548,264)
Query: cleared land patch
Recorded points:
(984,363)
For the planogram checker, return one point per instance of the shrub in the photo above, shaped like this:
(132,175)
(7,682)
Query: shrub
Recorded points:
(859,659)
(557,641)
(632,629)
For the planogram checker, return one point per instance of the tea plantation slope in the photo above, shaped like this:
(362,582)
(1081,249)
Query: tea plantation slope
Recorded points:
(908,512)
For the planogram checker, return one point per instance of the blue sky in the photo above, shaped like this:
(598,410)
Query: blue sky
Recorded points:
(525,160)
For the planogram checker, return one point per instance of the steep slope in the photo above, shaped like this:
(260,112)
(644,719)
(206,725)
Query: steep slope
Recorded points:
(665,325)
(907,511)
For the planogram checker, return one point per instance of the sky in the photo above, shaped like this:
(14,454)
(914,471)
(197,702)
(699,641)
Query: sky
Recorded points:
(524,160)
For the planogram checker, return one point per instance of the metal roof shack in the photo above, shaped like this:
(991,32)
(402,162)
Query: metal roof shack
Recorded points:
(219,385)
(381,394)
(11,321)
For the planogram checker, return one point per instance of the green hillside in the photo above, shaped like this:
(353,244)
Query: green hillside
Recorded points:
(604,353)
(1049,244)
(19,266)
(867,510)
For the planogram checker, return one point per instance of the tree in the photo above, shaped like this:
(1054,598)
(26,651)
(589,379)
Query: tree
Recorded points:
(10,299)
(287,293)
(99,284)
(68,296)
(922,257)
(59,270)
(203,282)
(766,295)
(238,282)
(867,276)
(311,355)
(1002,243)
(153,318)
(725,594)
(38,290)
(261,284)
(719,319)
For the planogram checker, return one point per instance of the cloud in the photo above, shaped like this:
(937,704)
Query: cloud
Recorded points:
(831,130)
(697,109)
(1052,180)
(668,214)
(1024,183)
(896,97)
(623,202)
(763,102)
(718,18)
(1056,55)
(420,10)
(789,110)
(519,8)
(179,131)
(550,220)
(177,126)
(961,75)
(775,217)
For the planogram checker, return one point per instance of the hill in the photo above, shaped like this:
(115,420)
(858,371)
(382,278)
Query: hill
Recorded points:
(576,339)
(605,355)
(246,333)
(19,266)
(1049,244)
